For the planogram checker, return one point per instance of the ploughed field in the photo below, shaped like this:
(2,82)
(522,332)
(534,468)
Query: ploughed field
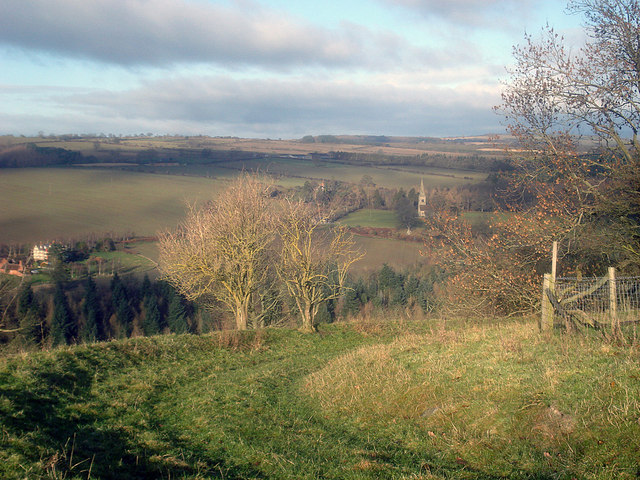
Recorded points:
(43,204)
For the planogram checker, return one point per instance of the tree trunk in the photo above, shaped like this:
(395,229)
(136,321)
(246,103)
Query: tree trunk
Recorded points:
(242,315)
(308,317)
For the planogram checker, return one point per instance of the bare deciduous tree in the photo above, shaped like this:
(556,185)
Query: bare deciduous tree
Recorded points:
(555,89)
(220,252)
(556,92)
(314,259)
(589,201)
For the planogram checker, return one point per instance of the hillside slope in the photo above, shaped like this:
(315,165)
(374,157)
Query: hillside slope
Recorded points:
(354,401)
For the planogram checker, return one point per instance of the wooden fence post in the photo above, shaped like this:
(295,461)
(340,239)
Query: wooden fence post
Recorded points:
(613,304)
(554,260)
(546,320)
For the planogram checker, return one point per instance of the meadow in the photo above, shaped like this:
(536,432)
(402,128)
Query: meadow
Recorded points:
(430,399)
(44,204)
(397,177)
(141,184)
(370,217)
(290,172)
(397,146)
(398,254)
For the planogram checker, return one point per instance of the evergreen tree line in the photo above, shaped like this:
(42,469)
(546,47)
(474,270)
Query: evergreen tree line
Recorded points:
(388,289)
(84,312)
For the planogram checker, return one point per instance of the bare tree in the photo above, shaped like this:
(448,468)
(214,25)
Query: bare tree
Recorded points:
(555,89)
(588,200)
(220,252)
(315,258)
(556,92)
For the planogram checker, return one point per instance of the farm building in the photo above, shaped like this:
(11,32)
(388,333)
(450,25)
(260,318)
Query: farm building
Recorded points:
(11,268)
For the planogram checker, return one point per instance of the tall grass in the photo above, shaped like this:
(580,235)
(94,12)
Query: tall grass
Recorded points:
(435,399)
(499,401)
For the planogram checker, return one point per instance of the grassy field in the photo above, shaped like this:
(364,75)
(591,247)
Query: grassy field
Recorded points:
(398,254)
(407,178)
(429,400)
(368,217)
(294,172)
(43,204)
(397,146)
(46,204)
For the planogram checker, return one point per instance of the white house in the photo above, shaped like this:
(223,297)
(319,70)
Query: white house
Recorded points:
(40,253)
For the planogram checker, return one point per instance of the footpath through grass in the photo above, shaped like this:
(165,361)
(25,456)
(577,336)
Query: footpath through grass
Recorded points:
(390,400)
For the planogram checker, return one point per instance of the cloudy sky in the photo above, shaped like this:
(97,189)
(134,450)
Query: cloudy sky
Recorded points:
(261,68)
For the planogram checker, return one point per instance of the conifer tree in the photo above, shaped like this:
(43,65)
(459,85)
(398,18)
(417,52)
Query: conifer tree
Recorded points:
(25,299)
(63,326)
(30,321)
(152,318)
(120,300)
(177,318)
(146,289)
(31,331)
(92,330)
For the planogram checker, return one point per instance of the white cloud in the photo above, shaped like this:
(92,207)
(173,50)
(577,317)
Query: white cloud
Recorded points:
(471,13)
(164,32)
(275,108)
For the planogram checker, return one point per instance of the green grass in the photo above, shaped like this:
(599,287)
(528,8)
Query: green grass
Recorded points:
(47,204)
(397,177)
(294,172)
(398,254)
(127,261)
(432,400)
(368,217)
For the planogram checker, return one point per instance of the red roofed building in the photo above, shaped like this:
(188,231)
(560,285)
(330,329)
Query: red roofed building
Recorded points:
(11,268)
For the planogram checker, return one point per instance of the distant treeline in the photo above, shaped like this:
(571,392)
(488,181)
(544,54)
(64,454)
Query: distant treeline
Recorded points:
(32,155)
(388,289)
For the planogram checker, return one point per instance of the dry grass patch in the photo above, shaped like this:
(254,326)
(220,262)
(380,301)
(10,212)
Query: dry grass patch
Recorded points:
(492,396)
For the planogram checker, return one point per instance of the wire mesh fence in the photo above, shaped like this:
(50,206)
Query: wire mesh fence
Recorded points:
(607,302)
(594,298)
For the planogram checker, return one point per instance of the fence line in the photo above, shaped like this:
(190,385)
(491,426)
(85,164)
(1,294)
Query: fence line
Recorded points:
(605,303)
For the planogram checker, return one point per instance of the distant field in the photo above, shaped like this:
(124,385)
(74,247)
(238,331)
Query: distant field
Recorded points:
(397,146)
(398,254)
(368,217)
(45,204)
(378,251)
(407,177)
(294,172)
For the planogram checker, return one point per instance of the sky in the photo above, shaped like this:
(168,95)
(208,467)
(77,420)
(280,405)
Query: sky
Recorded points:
(262,68)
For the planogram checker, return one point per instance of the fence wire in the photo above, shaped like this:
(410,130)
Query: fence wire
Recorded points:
(592,301)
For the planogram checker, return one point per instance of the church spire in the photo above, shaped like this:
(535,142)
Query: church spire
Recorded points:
(422,200)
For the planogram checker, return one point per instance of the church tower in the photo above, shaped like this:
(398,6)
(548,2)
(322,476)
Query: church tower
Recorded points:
(422,201)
